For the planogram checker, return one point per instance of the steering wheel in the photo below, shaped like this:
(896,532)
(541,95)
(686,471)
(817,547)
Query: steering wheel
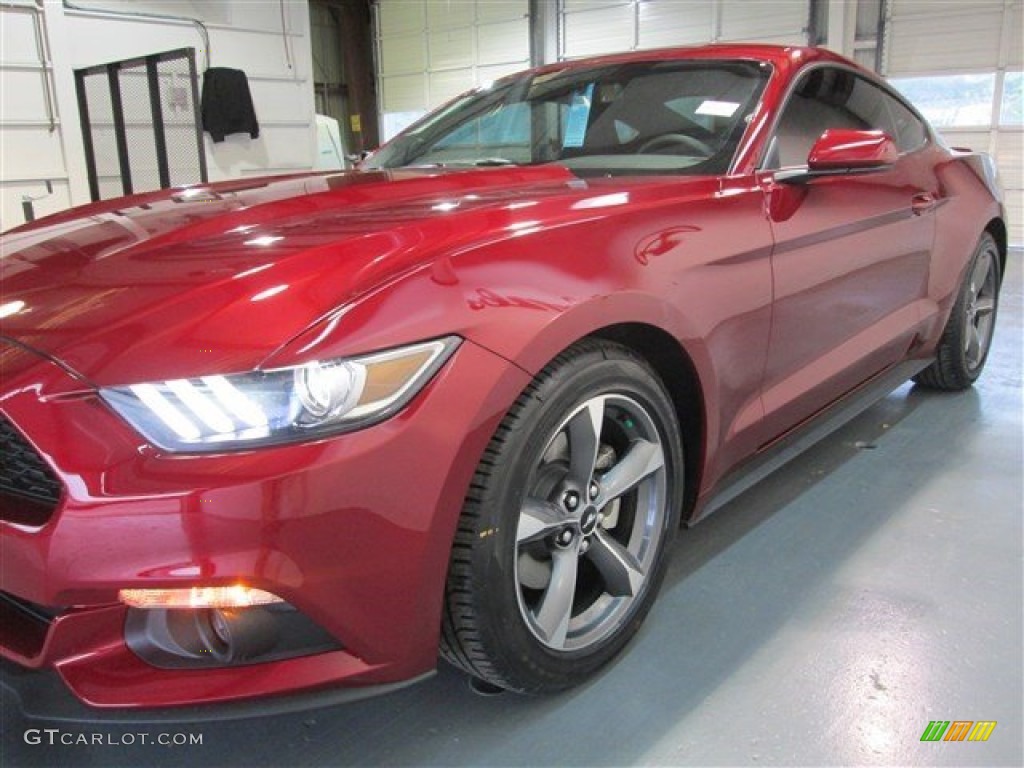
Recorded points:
(667,140)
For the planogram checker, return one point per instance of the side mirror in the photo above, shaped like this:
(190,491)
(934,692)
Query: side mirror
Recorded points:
(840,151)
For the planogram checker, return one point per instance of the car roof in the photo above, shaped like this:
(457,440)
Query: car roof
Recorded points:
(782,57)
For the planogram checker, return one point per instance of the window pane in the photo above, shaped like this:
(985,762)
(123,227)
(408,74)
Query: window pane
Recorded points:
(866,57)
(1012,110)
(867,19)
(951,101)
(908,131)
(835,98)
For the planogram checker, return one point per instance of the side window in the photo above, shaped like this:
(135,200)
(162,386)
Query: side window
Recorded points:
(837,98)
(908,130)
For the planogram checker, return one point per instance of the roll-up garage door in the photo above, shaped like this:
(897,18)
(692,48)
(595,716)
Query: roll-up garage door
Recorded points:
(602,26)
(961,64)
(429,51)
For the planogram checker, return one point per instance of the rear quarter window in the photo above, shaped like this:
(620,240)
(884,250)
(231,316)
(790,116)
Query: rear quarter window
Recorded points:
(831,97)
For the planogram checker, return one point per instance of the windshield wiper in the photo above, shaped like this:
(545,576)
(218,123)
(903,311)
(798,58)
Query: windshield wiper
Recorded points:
(489,161)
(479,162)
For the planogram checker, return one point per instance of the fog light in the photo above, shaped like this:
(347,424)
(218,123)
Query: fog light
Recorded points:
(221,628)
(234,636)
(235,596)
(193,638)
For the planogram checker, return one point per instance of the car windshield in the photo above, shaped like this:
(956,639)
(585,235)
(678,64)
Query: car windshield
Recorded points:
(649,117)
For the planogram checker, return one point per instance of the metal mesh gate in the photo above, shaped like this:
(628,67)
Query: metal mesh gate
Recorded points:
(141,124)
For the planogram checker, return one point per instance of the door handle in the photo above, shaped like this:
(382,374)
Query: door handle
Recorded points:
(922,203)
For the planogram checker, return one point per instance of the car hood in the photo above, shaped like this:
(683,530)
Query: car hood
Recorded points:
(216,277)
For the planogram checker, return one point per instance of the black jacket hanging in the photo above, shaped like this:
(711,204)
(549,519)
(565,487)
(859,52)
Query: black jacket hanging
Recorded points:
(227,104)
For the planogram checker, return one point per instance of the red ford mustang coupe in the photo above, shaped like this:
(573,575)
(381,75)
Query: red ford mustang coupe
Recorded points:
(289,438)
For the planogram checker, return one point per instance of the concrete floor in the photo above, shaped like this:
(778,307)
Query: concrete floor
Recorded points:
(823,618)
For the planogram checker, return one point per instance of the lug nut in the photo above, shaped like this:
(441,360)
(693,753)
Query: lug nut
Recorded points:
(565,537)
(594,490)
(571,500)
(584,546)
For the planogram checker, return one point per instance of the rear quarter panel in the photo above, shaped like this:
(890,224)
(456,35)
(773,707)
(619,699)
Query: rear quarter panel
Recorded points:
(971,199)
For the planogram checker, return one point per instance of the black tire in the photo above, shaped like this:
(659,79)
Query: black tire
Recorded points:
(529,604)
(963,348)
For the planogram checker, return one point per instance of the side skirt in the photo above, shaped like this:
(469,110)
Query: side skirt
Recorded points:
(802,437)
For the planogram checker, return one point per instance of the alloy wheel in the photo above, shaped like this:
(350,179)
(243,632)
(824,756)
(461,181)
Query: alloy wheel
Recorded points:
(590,525)
(980,309)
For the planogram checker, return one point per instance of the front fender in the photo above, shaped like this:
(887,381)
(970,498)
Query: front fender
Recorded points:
(687,268)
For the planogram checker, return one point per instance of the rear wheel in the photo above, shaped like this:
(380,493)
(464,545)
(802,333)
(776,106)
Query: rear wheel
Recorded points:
(560,549)
(967,337)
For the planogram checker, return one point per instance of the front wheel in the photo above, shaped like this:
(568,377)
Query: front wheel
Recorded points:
(561,545)
(965,341)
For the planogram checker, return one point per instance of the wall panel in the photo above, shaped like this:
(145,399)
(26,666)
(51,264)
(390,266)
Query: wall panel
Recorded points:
(782,20)
(450,48)
(18,37)
(591,31)
(604,26)
(944,43)
(429,51)
(504,42)
(664,23)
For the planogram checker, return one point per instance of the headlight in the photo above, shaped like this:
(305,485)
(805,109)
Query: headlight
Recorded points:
(242,410)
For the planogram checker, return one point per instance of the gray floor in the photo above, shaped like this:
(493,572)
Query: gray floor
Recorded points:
(823,618)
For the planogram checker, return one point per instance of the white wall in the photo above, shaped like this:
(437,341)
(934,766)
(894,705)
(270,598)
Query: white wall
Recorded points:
(243,34)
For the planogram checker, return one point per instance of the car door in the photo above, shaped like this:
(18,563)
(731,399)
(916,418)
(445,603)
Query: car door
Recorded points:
(851,256)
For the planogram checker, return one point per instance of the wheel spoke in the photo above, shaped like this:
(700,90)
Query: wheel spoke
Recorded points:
(984,306)
(621,572)
(641,460)
(537,519)
(555,608)
(978,275)
(584,439)
(972,347)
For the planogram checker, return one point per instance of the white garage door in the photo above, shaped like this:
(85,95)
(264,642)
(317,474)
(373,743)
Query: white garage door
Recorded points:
(961,63)
(30,130)
(429,51)
(602,26)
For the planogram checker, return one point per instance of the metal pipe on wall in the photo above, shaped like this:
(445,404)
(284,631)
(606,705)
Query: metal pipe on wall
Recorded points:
(204,33)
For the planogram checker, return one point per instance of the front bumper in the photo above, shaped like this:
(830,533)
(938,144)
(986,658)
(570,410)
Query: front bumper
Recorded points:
(353,531)
(42,695)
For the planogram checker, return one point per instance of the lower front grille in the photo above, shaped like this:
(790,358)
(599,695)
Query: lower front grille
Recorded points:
(29,489)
